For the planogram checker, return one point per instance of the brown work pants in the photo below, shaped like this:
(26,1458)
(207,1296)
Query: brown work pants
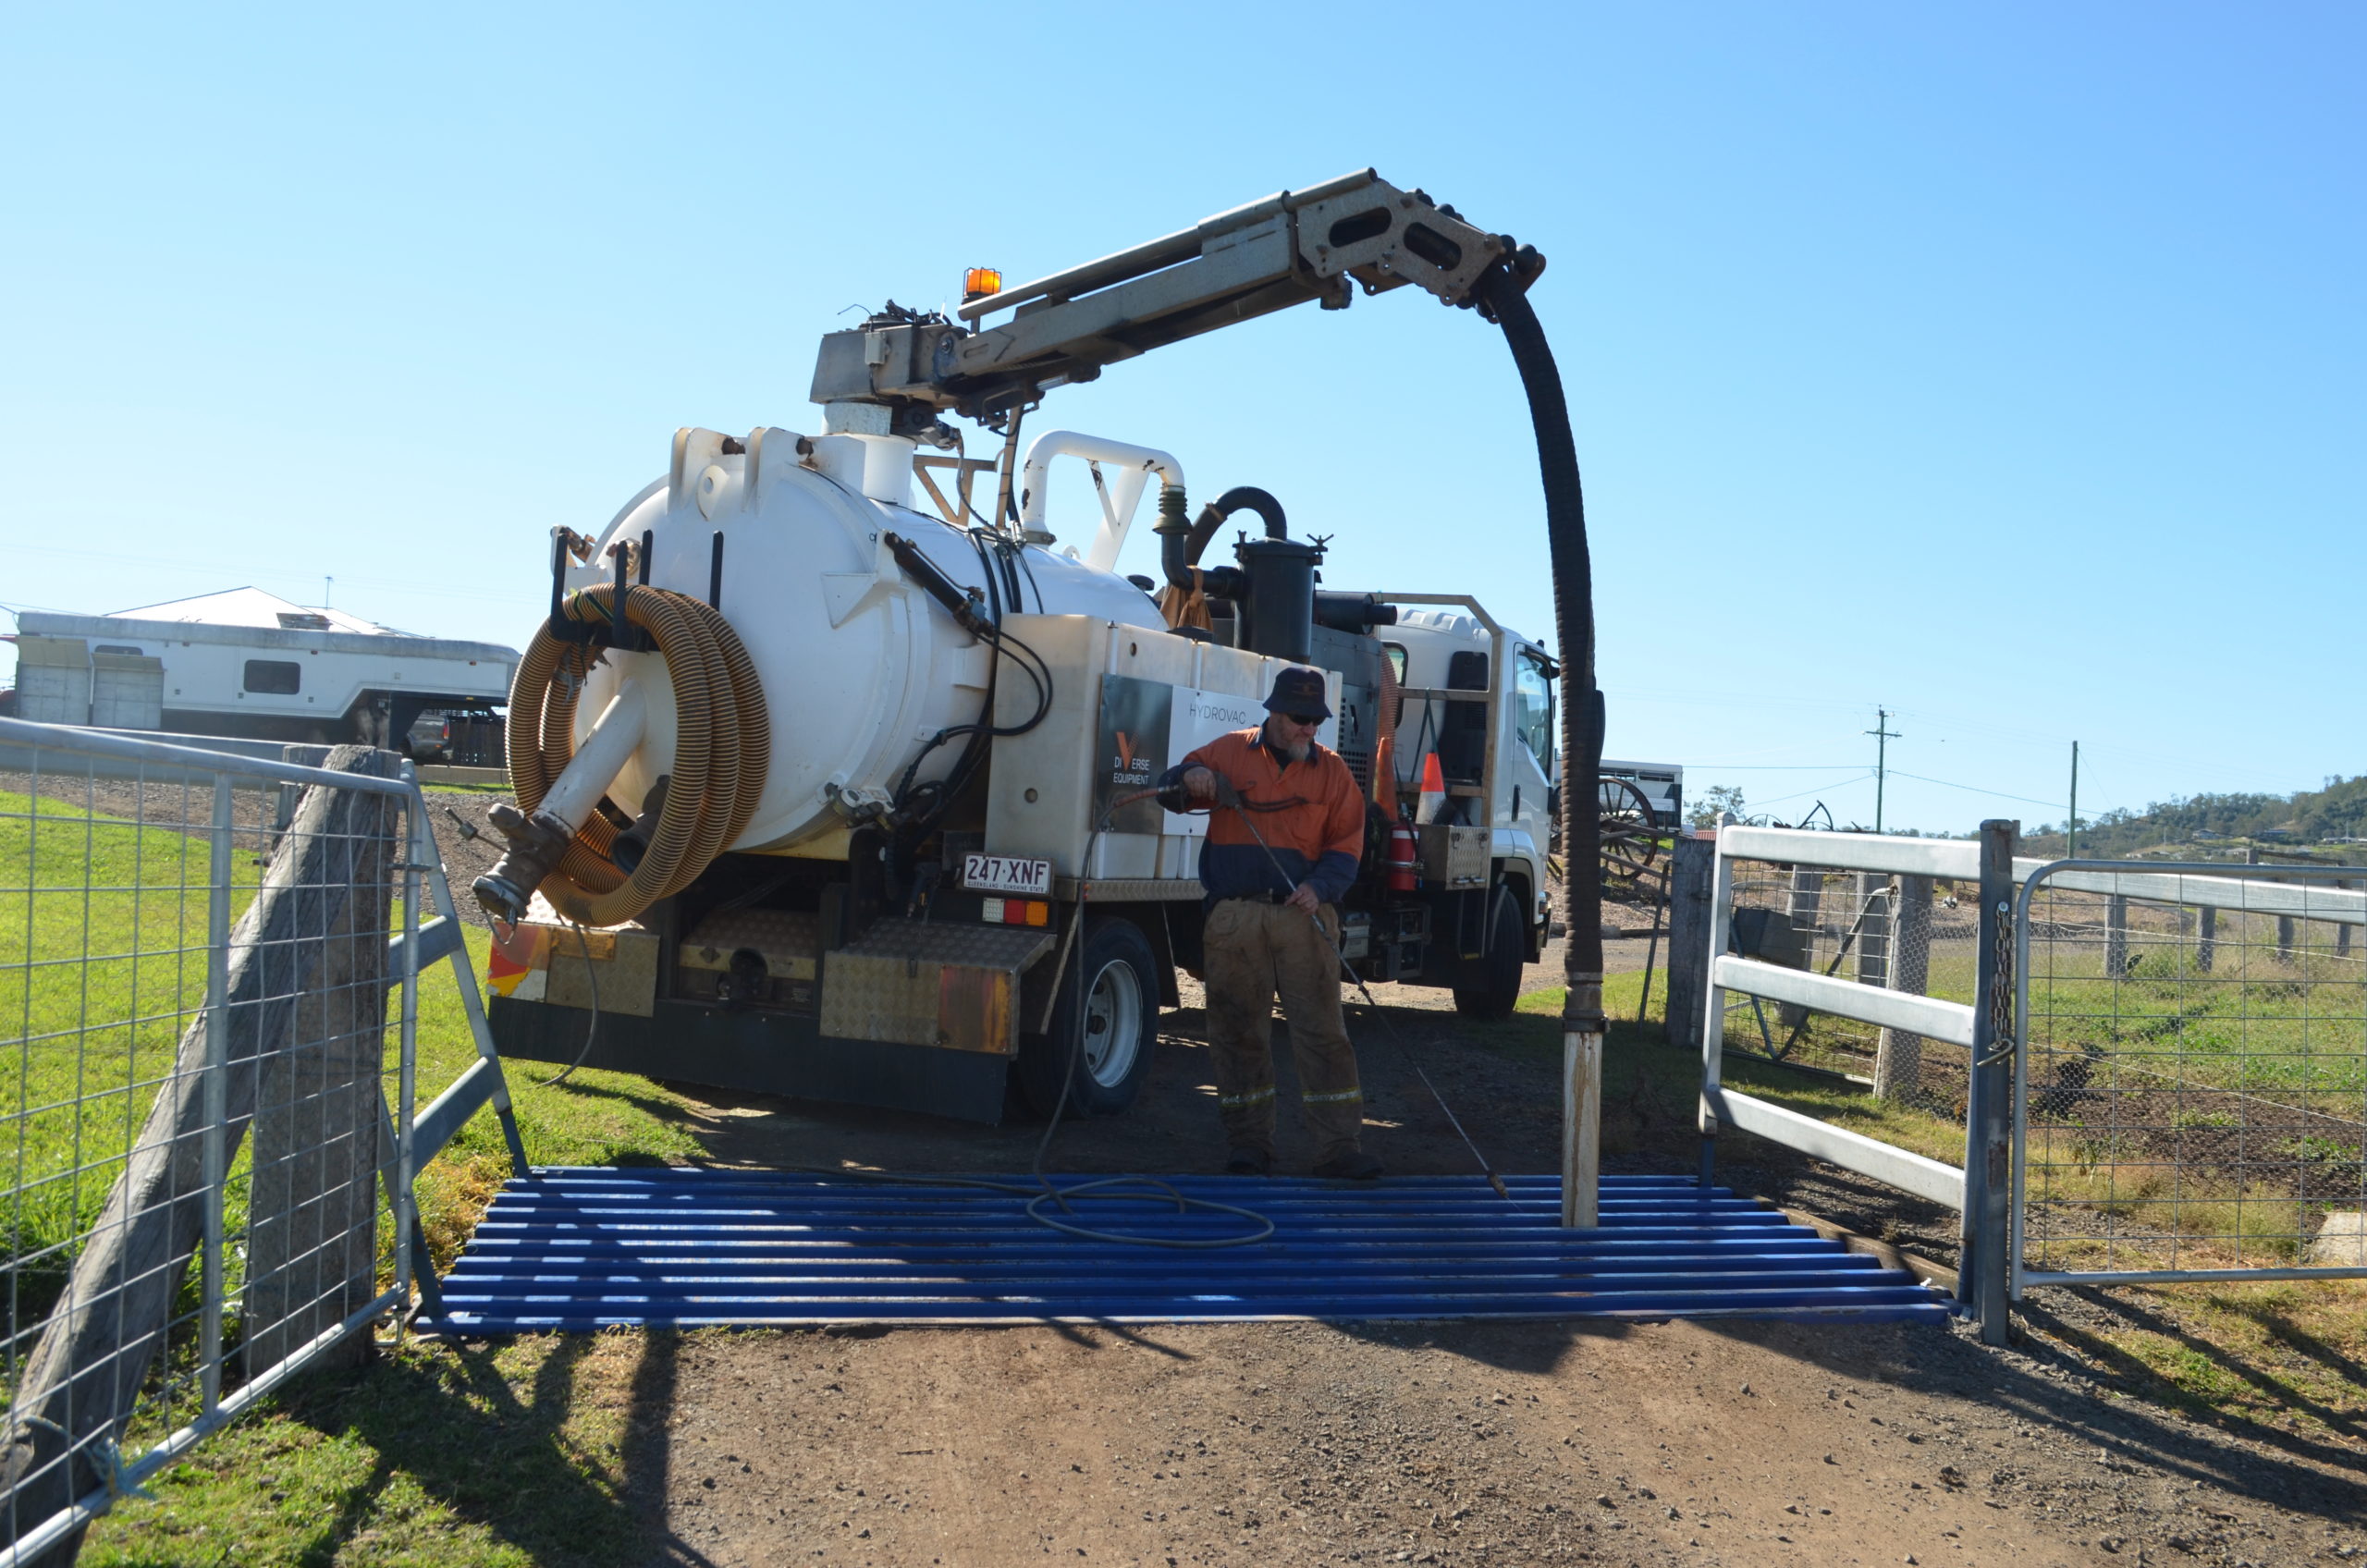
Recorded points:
(1251,952)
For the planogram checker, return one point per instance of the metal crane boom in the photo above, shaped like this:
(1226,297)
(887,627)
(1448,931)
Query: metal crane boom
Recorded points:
(1288,248)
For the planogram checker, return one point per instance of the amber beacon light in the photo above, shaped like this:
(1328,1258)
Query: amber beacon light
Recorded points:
(979,282)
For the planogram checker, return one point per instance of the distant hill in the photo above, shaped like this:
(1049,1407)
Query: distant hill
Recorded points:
(2210,822)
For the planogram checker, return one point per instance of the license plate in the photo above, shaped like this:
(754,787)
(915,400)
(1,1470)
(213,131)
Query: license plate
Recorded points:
(1005,874)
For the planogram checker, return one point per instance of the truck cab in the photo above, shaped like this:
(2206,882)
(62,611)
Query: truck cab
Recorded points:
(1474,717)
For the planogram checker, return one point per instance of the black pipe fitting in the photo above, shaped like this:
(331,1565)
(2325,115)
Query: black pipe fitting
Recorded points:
(1175,533)
(536,843)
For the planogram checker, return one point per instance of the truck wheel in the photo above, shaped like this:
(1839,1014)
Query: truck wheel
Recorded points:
(1103,1050)
(1496,984)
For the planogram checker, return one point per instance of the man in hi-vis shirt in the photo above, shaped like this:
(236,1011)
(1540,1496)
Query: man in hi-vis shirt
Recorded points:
(1274,928)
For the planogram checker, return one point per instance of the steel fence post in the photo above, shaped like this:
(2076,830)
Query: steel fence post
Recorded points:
(2017,1207)
(217,1092)
(414,808)
(1981,1274)
(1713,1005)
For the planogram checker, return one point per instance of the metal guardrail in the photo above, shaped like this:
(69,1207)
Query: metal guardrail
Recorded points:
(199,1094)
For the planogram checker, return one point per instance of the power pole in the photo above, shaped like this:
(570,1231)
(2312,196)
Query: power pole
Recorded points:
(1883,734)
(326,584)
(2071,849)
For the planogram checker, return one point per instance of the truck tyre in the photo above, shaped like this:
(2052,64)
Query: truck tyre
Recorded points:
(1103,1051)
(1496,976)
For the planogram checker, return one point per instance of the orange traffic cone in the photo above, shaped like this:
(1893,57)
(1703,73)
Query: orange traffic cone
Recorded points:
(1433,789)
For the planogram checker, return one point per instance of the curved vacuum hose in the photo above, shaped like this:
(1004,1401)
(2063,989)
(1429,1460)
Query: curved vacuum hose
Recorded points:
(1180,544)
(723,741)
(1501,297)
(1249,498)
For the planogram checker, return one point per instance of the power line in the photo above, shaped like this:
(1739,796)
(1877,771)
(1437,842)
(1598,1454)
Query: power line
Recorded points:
(1977,789)
(1815,790)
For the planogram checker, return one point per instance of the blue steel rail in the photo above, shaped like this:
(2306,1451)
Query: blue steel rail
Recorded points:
(586,1248)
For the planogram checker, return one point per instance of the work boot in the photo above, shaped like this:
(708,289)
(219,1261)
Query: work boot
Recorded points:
(1354,1166)
(1248,1162)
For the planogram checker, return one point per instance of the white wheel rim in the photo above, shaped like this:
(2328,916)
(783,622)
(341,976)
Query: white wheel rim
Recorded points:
(1113,1024)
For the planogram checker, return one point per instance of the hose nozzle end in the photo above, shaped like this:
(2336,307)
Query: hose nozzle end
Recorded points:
(500,899)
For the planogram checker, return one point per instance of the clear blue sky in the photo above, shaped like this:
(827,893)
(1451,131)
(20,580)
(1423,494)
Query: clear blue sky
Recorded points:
(2000,364)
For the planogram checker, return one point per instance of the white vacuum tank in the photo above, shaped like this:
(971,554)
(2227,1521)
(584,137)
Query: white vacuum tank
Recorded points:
(860,666)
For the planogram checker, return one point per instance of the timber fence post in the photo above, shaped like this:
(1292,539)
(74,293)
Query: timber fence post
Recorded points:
(1983,1270)
(1688,937)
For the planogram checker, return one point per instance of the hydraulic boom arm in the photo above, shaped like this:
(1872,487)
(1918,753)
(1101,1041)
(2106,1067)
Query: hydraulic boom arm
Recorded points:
(1290,248)
(897,372)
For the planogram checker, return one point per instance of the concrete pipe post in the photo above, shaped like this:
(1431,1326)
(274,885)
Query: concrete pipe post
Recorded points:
(1899,1055)
(1805,909)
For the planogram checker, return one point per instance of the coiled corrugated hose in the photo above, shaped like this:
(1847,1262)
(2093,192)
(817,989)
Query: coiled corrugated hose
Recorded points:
(723,741)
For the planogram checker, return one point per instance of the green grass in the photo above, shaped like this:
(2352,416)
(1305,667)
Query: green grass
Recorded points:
(594,1119)
(499,1456)
(103,964)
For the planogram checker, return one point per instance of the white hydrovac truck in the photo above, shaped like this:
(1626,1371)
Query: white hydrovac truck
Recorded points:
(848,800)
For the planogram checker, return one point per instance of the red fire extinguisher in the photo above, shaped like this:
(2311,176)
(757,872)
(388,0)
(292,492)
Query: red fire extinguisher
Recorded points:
(1404,859)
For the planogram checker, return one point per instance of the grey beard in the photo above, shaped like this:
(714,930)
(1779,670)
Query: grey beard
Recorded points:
(1295,750)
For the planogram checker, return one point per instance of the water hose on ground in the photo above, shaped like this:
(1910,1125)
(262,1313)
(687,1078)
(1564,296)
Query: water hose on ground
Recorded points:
(723,741)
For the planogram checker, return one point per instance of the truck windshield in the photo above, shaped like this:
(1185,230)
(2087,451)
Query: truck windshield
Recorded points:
(1533,712)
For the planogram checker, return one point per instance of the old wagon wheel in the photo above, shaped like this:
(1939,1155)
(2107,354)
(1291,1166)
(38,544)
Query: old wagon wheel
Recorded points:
(1630,837)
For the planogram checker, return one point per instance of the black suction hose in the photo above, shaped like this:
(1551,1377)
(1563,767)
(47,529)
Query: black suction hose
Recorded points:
(1501,295)
(1203,528)
(1249,498)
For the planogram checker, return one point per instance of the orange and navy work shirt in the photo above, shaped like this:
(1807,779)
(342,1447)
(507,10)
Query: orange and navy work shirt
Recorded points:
(1318,832)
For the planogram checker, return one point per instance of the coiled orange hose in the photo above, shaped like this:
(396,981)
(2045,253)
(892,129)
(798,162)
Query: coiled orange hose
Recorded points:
(723,741)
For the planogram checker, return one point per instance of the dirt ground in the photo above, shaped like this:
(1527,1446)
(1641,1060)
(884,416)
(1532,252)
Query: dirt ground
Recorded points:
(1674,1443)
(1668,1443)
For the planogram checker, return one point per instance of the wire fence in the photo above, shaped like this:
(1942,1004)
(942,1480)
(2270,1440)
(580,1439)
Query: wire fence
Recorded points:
(1917,934)
(208,1047)
(2193,1093)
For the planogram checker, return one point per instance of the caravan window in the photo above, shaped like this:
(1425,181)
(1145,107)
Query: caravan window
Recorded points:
(275,678)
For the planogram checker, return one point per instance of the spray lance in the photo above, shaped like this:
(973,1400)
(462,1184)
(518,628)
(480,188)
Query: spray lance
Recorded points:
(1175,798)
